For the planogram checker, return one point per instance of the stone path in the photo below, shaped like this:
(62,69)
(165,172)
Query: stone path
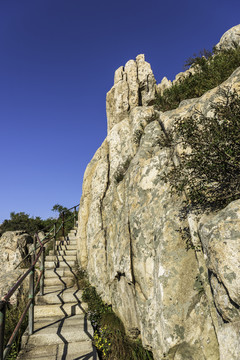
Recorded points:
(61,328)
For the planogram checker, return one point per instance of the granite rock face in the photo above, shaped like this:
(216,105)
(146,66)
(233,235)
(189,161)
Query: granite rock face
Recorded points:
(229,38)
(14,246)
(220,238)
(134,85)
(180,302)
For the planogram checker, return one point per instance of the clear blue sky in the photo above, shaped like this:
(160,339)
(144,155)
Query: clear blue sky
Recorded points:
(57,62)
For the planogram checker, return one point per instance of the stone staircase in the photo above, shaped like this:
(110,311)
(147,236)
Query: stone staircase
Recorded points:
(61,328)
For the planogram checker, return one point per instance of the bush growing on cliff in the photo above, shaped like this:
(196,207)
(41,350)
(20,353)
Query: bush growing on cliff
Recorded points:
(210,70)
(109,334)
(209,165)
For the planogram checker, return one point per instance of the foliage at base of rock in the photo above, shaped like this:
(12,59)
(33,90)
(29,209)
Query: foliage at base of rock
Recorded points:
(109,333)
(13,315)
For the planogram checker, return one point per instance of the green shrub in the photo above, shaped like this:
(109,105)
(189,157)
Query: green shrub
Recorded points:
(209,165)
(81,279)
(22,221)
(110,338)
(210,71)
(31,225)
(96,306)
(13,314)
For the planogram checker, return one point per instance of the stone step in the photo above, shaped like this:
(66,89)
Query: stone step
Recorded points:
(55,288)
(61,328)
(60,257)
(62,281)
(60,296)
(55,320)
(72,238)
(77,350)
(72,241)
(64,252)
(68,243)
(67,247)
(69,239)
(73,234)
(67,309)
(53,264)
(60,272)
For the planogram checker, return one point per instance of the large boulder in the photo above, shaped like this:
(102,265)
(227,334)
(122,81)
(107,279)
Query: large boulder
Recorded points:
(14,246)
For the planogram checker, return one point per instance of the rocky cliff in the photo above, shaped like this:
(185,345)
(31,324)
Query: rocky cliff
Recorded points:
(14,246)
(183,303)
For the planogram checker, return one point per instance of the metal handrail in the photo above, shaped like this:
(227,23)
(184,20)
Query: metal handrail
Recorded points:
(35,253)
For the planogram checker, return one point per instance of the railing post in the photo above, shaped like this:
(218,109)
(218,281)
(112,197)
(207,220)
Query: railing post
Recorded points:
(54,239)
(42,268)
(34,245)
(63,226)
(2,327)
(31,296)
(75,216)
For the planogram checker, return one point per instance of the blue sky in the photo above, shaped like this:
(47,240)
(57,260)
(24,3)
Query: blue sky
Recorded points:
(57,62)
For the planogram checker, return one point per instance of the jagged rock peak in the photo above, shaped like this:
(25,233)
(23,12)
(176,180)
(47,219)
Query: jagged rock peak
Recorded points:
(134,85)
(229,38)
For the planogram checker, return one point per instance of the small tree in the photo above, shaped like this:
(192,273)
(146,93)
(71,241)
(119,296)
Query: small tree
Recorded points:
(68,216)
(59,208)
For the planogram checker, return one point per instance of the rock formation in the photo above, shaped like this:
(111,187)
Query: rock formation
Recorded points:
(14,246)
(184,304)
(229,38)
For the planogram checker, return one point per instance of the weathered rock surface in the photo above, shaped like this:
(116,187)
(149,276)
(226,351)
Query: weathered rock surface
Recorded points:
(129,239)
(134,85)
(220,237)
(164,84)
(229,344)
(14,246)
(229,38)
